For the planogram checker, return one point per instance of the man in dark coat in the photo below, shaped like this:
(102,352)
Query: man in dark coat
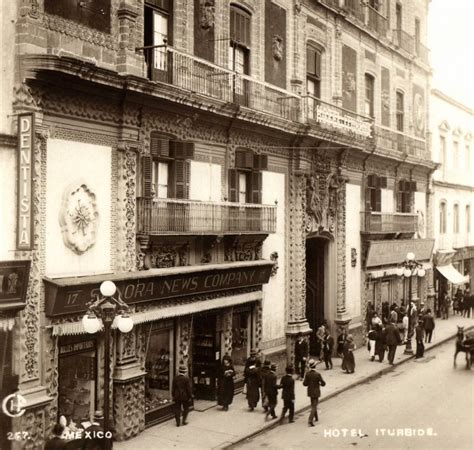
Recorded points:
(225,391)
(420,337)
(264,371)
(313,380)
(428,325)
(380,342)
(328,345)
(271,391)
(182,394)
(287,384)
(252,380)
(56,443)
(392,339)
(301,354)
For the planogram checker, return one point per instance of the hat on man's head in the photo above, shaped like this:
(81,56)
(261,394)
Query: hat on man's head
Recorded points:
(290,369)
(273,367)
(253,352)
(312,364)
(183,370)
(266,363)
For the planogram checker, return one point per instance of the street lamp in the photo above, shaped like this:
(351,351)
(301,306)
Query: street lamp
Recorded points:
(410,268)
(113,312)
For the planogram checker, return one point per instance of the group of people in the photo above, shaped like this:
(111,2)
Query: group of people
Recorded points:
(463,302)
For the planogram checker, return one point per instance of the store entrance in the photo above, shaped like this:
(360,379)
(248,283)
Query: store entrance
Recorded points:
(206,345)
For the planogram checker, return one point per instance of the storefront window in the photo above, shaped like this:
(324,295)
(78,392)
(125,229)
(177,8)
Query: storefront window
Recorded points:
(159,364)
(240,340)
(77,380)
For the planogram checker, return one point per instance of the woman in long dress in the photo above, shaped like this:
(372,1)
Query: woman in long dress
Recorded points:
(225,391)
(252,380)
(348,361)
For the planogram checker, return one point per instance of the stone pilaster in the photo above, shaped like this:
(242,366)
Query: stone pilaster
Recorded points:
(128,61)
(227,331)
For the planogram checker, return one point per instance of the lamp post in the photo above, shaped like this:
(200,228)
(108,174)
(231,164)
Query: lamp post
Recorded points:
(410,268)
(113,311)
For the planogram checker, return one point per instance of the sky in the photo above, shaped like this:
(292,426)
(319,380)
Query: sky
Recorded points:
(451,40)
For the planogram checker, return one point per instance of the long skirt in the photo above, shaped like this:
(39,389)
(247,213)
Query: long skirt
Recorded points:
(225,391)
(348,362)
(253,392)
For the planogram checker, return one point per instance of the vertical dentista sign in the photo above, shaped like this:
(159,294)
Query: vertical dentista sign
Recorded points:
(25,181)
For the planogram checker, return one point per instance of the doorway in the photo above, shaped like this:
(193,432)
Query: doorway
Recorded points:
(316,249)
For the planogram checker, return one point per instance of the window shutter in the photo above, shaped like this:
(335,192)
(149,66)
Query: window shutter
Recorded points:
(317,64)
(378,200)
(368,206)
(159,146)
(147,175)
(370,181)
(181,150)
(413,186)
(310,60)
(240,158)
(383,182)
(181,176)
(249,159)
(256,187)
(263,162)
(233,177)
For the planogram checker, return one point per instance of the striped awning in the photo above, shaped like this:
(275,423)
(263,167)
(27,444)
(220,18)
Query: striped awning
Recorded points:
(71,328)
(392,271)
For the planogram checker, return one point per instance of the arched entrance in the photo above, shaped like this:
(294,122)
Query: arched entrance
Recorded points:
(316,262)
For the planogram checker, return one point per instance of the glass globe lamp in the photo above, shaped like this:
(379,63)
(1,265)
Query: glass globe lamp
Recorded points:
(108,288)
(91,323)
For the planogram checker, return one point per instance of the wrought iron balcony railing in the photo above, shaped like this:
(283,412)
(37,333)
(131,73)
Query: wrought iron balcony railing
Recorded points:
(334,118)
(396,141)
(376,21)
(377,222)
(173,216)
(331,3)
(168,65)
(404,40)
(355,8)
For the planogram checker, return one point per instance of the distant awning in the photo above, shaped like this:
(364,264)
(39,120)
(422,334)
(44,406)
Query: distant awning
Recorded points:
(451,274)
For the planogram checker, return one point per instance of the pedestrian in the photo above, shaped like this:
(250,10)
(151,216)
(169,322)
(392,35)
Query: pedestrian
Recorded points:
(457,301)
(328,346)
(393,313)
(428,325)
(385,312)
(419,337)
(376,320)
(392,338)
(380,343)
(319,340)
(182,394)
(265,370)
(287,384)
(252,380)
(56,442)
(271,391)
(372,336)
(405,326)
(301,354)
(348,361)
(225,391)
(369,315)
(446,303)
(313,380)
(341,340)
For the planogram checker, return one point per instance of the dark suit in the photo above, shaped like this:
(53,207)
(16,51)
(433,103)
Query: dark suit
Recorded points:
(287,383)
(182,393)
(313,380)
(55,443)
(392,338)
(271,392)
(301,353)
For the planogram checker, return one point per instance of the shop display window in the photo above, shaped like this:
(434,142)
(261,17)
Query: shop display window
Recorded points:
(159,368)
(240,340)
(77,383)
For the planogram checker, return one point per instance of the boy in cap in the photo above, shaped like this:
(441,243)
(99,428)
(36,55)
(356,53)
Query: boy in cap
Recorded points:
(313,380)
(271,391)
(182,394)
(287,384)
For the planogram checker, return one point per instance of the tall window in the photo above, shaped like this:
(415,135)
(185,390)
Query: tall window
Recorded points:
(442,218)
(369,95)
(417,35)
(456,219)
(468,219)
(313,71)
(398,16)
(467,157)
(442,153)
(373,193)
(456,161)
(239,52)
(405,195)
(400,111)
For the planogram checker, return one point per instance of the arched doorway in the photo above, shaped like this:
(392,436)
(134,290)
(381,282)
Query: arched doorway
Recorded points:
(316,257)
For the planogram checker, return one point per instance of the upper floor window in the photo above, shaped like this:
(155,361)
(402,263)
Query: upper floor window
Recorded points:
(400,111)
(405,192)
(467,157)
(239,52)
(373,192)
(442,218)
(456,161)
(456,218)
(442,152)
(468,219)
(369,95)
(398,16)
(417,35)
(313,71)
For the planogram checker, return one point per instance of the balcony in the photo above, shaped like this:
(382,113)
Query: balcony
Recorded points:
(376,21)
(403,40)
(334,118)
(354,7)
(395,141)
(380,223)
(173,217)
(168,65)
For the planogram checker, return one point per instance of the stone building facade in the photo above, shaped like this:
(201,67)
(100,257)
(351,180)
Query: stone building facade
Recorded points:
(240,170)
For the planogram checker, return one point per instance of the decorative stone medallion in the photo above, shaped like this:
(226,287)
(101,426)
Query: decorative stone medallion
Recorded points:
(79,218)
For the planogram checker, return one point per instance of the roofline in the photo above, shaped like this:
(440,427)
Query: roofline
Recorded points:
(451,100)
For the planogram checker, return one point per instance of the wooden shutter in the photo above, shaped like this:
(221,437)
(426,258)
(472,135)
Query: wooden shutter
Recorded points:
(371,181)
(181,150)
(181,178)
(239,26)
(260,162)
(159,146)
(240,158)
(310,60)
(147,175)
(256,187)
(413,186)
(383,182)
(233,180)
(368,204)
(378,200)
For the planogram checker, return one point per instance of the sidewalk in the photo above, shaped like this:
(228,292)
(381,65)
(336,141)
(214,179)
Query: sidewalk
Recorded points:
(217,429)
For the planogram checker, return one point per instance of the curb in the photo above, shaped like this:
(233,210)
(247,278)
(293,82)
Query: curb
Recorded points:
(370,377)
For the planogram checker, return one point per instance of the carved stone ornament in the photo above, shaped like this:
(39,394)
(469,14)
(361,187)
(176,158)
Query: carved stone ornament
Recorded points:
(353,257)
(274,258)
(79,218)
(277,47)
(385,99)
(207,10)
(419,112)
(421,224)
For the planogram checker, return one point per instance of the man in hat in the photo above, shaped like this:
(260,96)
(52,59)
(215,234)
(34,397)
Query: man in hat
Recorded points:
(301,354)
(182,394)
(263,375)
(420,337)
(252,379)
(287,383)
(271,391)
(313,380)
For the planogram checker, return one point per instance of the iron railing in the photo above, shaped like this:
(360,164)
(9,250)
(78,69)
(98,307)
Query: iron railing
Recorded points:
(329,116)
(377,222)
(396,141)
(173,216)
(404,40)
(168,65)
(376,21)
(355,8)
(331,3)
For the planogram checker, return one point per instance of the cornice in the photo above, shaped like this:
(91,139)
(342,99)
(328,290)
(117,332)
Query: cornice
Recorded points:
(446,184)
(452,101)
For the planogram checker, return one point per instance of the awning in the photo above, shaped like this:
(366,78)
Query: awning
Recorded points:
(392,271)
(70,328)
(451,274)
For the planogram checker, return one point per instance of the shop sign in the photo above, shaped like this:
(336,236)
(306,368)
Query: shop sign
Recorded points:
(71,295)
(77,347)
(13,284)
(340,120)
(25,181)
(383,253)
